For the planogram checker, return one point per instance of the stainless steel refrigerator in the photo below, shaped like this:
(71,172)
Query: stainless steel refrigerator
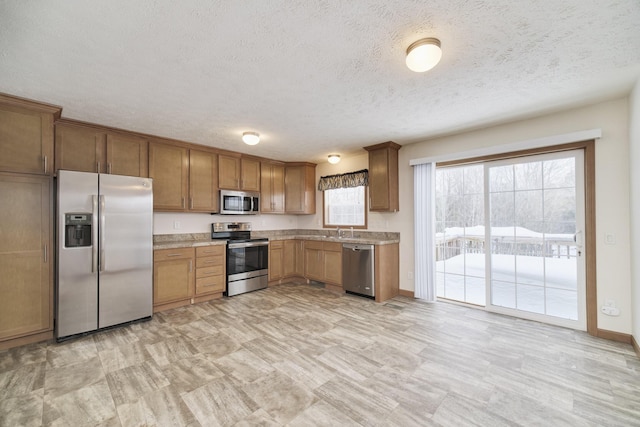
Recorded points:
(105,251)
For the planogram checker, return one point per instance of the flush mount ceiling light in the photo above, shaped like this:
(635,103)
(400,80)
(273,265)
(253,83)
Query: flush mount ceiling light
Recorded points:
(423,55)
(334,158)
(250,138)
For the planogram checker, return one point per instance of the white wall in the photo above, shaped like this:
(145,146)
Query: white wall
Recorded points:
(163,222)
(612,190)
(634,157)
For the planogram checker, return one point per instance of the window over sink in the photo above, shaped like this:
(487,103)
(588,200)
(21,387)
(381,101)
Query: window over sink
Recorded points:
(345,199)
(345,207)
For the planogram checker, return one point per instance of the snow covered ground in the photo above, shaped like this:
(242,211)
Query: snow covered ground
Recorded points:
(535,284)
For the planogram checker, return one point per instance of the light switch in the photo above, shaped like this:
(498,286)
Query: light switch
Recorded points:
(610,239)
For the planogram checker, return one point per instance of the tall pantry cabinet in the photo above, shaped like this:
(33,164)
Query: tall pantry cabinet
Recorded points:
(26,220)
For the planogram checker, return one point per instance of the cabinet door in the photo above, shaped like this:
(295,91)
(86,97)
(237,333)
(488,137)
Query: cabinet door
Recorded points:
(26,141)
(276,260)
(383,177)
(26,258)
(313,261)
(203,181)
(80,149)
(250,170)
(333,267)
(289,258)
(127,155)
(169,168)
(300,195)
(299,250)
(172,275)
(271,188)
(229,172)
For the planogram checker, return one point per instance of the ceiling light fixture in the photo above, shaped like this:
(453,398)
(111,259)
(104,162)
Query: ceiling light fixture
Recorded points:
(423,55)
(334,158)
(250,138)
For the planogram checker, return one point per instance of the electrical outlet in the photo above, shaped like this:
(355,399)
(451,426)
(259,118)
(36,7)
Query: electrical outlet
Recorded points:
(610,311)
(176,225)
(410,275)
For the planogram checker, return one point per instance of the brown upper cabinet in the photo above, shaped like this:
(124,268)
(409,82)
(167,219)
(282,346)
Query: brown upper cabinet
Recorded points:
(383,177)
(169,168)
(272,187)
(26,135)
(300,188)
(239,173)
(184,180)
(203,181)
(91,149)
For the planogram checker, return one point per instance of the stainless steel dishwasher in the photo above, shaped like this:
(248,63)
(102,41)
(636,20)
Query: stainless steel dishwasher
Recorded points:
(357,269)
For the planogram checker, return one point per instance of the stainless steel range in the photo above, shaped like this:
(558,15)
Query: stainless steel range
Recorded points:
(247,258)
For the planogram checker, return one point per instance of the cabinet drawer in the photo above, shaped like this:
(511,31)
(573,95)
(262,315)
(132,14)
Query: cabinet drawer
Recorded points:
(333,247)
(217,270)
(209,261)
(277,244)
(210,284)
(169,254)
(210,250)
(313,244)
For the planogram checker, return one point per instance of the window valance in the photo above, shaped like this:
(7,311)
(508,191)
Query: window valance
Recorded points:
(344,180)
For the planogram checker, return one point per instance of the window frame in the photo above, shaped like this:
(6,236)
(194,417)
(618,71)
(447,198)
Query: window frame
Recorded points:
(355,227)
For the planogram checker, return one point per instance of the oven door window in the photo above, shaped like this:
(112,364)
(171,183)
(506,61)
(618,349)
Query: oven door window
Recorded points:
(244,260)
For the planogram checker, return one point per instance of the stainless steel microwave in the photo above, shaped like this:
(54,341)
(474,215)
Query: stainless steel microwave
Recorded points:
(239,202)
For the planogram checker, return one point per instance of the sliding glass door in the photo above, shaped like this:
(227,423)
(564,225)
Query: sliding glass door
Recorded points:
(522,253)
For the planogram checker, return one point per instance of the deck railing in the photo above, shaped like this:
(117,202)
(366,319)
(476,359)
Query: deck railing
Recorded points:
(562,246)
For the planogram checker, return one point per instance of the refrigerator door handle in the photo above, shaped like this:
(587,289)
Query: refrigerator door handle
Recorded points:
(102,233)
(94,233)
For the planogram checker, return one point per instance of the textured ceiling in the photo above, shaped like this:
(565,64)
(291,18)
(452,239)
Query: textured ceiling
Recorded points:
(314,76)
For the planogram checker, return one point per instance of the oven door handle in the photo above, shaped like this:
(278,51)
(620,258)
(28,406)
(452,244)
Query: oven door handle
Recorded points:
(246,245)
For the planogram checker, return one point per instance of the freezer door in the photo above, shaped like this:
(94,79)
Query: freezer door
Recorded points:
(126,249)
(77,285)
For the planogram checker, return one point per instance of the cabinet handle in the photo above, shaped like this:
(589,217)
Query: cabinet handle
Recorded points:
(109,167)
(190,202)
(173,255)
(45,164)
(190,266)
(97,167)
(183,203)
(46,257)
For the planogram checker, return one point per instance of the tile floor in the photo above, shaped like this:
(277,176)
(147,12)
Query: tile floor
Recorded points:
(301,356)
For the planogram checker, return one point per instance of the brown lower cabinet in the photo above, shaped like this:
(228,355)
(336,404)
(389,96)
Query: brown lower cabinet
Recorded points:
(187,275)
(26,259)
(322,262)
(211,272)
(293,264)
(173,284)
(276,260)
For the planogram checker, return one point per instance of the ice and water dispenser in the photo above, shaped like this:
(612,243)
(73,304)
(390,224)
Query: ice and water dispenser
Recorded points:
(77,230)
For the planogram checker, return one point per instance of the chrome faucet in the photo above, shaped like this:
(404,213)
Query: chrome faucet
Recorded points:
(338,232)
